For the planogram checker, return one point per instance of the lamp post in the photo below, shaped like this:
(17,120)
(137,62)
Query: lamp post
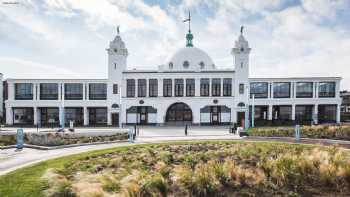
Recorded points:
(246,114)
(253,109)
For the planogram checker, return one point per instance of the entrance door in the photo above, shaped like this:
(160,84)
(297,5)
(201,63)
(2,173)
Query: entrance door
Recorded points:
(179,112)
(240,119)
(143,115)
(115,119)
(215,115)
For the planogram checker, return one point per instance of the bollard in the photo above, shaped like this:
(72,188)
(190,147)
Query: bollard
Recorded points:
(20,139)
(185,130)
(131,138)
(297,133)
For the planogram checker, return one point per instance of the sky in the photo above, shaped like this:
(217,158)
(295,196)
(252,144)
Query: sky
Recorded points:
(68,38)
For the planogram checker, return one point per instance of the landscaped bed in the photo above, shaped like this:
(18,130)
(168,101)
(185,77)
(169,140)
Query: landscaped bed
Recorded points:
(189,169)
(321,132)
(60,138)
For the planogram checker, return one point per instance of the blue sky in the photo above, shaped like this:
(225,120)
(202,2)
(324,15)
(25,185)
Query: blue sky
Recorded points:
(68,38)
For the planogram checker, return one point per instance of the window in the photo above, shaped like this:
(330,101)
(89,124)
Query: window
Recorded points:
(167,87)
(190,87)
(130,88)
(304,90)
(281,90)
(24,91)
(179,87)
(115,89)
(97,91)
(153,87)
(259,89)
(141,87)
(326,89)
(241,88)
(204,87)
(171,65)
(227,87)
(201,64)
(48,91)
(186,64)
(216,87)
(73,91)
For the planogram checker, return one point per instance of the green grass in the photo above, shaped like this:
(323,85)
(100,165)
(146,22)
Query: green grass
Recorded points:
(248,168)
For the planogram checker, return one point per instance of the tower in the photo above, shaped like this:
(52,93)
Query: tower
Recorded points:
(240,55)
(117,56)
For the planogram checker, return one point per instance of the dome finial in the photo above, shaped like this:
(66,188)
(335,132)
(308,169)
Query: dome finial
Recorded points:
(189,36)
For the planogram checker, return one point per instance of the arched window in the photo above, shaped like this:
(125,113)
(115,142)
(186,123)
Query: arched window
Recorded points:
(171,65)
(201,64)
(186,64)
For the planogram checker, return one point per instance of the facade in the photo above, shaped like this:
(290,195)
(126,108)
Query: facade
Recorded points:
(345,106)
(187,89)
(1,99)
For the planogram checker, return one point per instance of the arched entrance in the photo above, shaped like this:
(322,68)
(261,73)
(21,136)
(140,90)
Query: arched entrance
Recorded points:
(179,112)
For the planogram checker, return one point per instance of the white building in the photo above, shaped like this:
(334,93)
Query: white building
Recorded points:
(189,88)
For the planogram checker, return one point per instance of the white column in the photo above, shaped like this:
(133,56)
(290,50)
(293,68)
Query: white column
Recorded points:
(35,110)
(338,113)
(316,93)
(269,117)
(109,117)
(197,87)
(86,116)
(294,90)
(62,91)
(222,87)
(11,91)
(293,111)
(269,90)
(210,87)
(34,91)
(136,88)
(9,116)
(315,115)
(61,115)
(87,92)
(184,89)
(38,92)
(160,87)
(84,90)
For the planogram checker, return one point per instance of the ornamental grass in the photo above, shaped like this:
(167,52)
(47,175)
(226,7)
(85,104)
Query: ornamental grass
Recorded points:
(207,169)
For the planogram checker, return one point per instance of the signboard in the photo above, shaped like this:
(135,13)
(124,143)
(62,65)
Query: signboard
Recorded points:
(20,138)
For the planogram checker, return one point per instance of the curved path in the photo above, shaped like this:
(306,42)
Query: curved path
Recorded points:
(10,159)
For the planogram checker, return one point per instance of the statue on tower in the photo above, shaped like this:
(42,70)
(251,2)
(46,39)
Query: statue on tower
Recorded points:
(242,29)
(118,32)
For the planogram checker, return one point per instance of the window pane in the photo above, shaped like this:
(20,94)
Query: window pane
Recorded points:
(97,91)
(153,87)
(259,89)
(73,91)
(167,87)
(190,87)
(48,91)
(216,87)
(326,89)
(115,89)
(304,90)
(241,88)
(24,91)
(281,90)
(130,88)
(227,87)
(141,87)
(179,87)
(204,87)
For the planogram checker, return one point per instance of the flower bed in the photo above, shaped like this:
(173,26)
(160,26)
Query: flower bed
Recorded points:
(206,169)
(329,132)
(58,138)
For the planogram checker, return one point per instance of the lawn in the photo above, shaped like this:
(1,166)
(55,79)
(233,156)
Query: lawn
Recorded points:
(189,169)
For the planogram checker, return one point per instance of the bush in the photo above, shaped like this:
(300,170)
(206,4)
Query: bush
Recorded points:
(328,132)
